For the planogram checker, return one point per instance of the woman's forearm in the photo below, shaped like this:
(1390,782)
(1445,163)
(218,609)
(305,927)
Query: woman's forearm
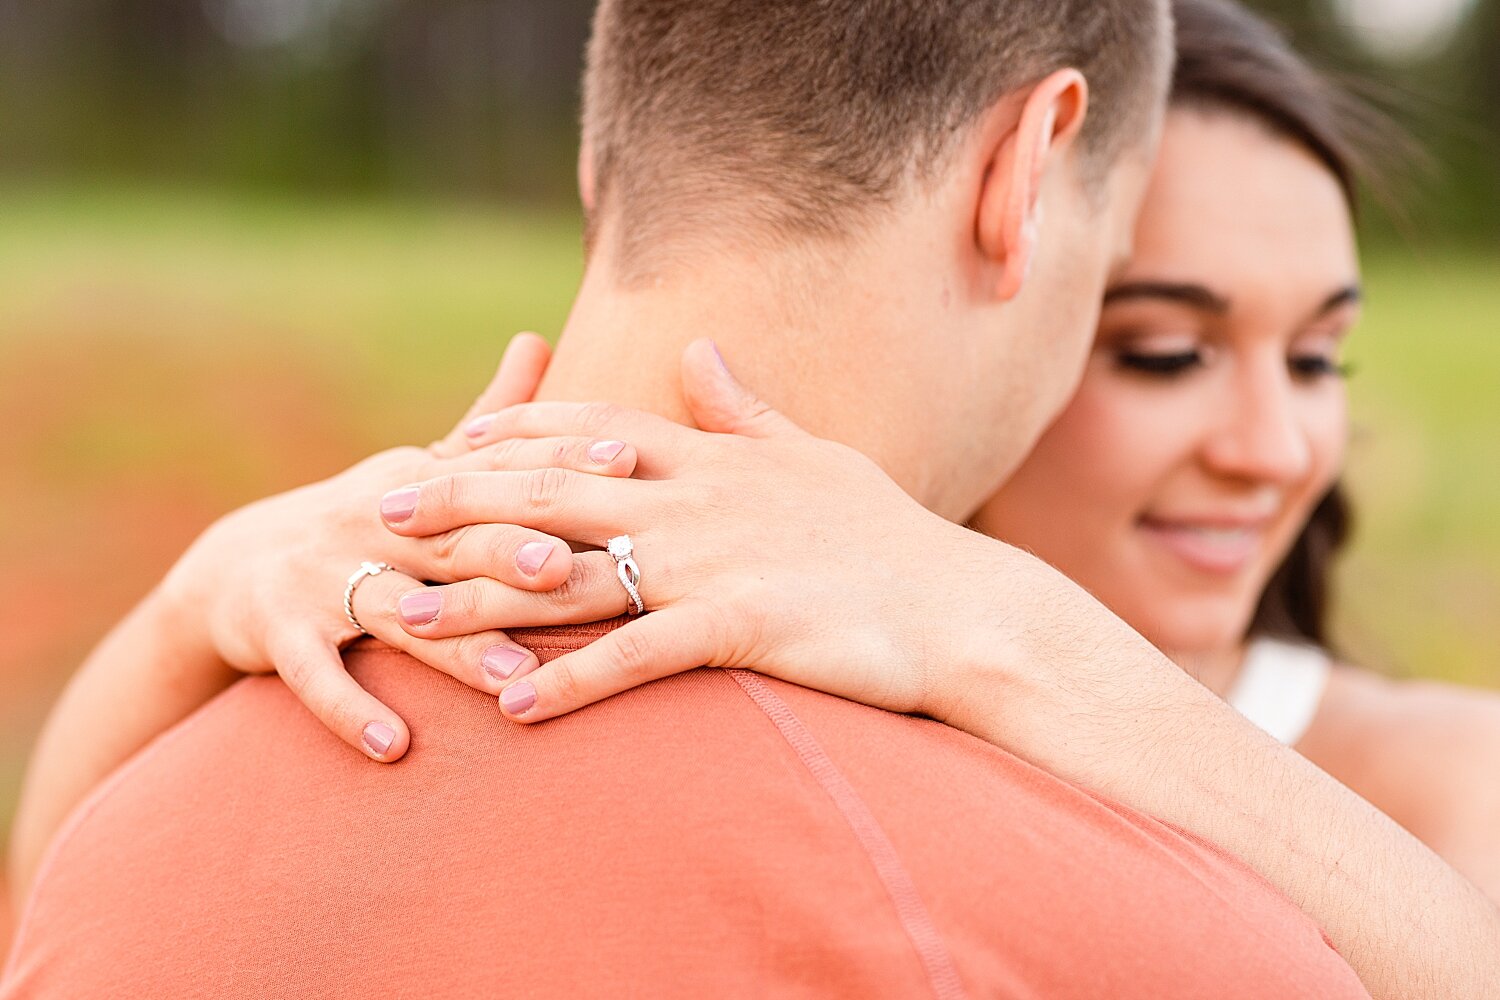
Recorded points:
(1078,693)
(150,672)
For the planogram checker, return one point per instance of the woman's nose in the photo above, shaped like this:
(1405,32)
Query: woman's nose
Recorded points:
(1260,438)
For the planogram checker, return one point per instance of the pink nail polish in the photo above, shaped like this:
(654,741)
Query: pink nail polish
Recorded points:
(502,661)
(378,736)
(518,697)
(397,505)
(476,427)
(604,452)
(420,606)
(532,556)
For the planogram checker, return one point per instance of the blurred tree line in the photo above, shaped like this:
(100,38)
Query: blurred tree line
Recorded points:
(479,97)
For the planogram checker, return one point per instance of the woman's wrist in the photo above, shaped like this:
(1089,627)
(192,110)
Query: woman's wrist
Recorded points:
(175,615)
(1034,664)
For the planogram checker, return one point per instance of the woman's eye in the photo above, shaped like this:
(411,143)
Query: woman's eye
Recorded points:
(1317,366)
(1160,364)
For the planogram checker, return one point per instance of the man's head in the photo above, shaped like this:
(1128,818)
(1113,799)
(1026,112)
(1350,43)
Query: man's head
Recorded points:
(936,185)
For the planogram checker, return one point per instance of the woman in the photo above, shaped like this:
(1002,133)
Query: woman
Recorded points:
(1191,483)
(256,618)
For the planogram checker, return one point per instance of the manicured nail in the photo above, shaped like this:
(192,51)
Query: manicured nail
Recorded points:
(604,452)
(532,556)
(518,697)
(420,606)
(397,505)
(476,427)
(502,661)
(378,737)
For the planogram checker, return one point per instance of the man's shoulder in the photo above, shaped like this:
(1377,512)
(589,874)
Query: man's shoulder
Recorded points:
(718,831)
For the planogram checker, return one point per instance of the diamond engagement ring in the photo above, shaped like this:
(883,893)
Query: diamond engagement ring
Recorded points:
(629,573)
(366,570)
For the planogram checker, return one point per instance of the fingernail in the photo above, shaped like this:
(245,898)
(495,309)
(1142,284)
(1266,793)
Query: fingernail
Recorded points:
(502,661)
(604,452)
(476,427)
(518,697)
(420,606)
(378,737)
(397,505)
(532,556)
(715,345)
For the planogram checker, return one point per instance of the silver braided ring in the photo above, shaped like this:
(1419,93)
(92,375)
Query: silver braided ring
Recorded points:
(366,569)
(629,573)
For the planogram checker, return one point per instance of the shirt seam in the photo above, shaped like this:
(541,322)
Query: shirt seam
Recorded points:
(937,964)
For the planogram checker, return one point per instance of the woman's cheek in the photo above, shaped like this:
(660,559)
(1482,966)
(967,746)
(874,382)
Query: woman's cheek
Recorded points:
(1088,479)
(1326,424)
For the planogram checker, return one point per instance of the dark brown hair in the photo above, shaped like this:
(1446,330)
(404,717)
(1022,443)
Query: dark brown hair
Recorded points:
(1231,60)
(801,117)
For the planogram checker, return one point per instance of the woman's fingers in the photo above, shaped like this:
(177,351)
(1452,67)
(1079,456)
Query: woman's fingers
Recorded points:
(596,456)
(592,592)
(483,659)
(517,557)
(521,369)
(595,420)
(574,505)
(310,665)
(651,647)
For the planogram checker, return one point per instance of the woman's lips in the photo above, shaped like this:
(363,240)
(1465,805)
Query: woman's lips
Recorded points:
(1220,548)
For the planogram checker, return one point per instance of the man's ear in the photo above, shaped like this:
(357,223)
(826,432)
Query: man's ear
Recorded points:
(1008,227)
(586,189)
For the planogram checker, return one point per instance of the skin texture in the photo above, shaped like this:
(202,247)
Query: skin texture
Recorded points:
(952,302)
(1173,494)
(1246,439)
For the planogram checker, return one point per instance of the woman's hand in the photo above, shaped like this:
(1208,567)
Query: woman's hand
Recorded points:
(759,546)
(263,590)
(263,587)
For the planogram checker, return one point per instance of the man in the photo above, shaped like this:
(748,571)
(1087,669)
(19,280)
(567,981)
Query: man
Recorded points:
(897,217)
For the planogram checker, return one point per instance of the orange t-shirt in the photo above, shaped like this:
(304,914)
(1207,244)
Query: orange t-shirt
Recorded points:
(713,835)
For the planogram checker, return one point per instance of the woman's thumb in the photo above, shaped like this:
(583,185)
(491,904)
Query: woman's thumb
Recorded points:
(717,400)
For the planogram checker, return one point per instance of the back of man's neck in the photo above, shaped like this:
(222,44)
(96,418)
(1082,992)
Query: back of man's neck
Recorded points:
(829,352)
(624,345)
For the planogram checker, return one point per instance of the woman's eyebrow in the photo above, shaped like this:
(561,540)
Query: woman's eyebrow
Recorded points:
(1350,295)
(1195,296)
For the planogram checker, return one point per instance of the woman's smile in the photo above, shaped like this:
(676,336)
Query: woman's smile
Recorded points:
(1216,545)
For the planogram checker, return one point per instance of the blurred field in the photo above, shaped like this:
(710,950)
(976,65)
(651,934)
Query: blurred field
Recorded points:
(165,357)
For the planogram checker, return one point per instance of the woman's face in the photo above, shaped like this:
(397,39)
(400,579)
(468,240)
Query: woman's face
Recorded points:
(1211,418)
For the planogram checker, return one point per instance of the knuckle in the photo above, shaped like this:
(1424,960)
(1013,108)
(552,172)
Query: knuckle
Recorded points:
(450,545)
(574,592)
(594,418)
(542,490)
(631,656)
(342,716)
(461,604)
(296,670)
(505,455)
(438,496)
(565,684)
(499,547)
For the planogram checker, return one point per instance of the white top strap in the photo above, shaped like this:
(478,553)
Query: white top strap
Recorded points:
(1280,687)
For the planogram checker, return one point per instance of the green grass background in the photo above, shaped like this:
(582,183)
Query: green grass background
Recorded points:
(165,356)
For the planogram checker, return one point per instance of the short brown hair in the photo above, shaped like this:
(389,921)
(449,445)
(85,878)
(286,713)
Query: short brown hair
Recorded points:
(804,115)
